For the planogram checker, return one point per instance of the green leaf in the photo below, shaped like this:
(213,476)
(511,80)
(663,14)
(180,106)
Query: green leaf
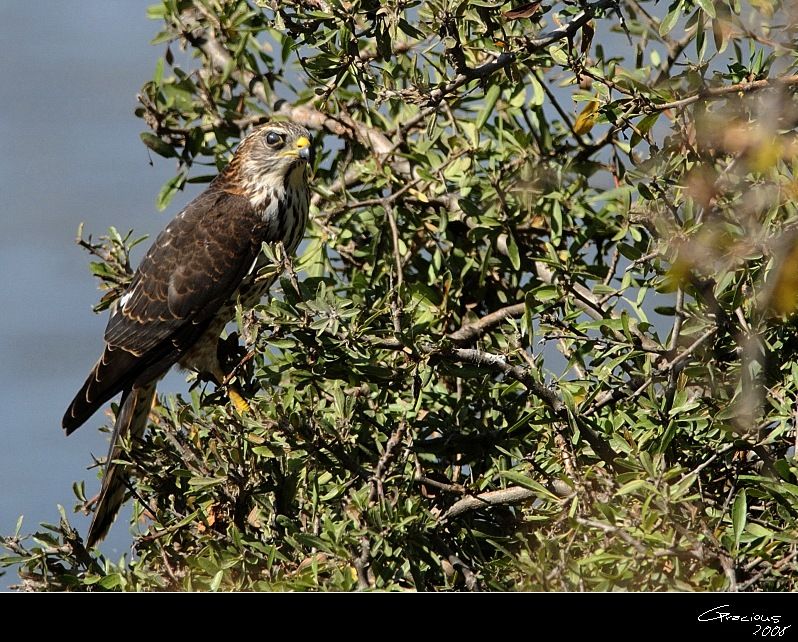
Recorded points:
(670,20)
(526,482)
(739,514)
(491,96)
(205,482)
(645,192)
(630,487)
(157,145)
(513,253)
(558,55)
(112,581)
(263,451)
(708,6)
(170,188)
(643,127)
(538,93)
(156,11)
(681,487)
(217,581)
(758,531)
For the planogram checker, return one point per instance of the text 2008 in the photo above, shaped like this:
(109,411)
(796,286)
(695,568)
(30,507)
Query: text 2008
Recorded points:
(770,631)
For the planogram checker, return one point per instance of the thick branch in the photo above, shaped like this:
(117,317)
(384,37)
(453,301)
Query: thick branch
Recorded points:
(511,495)
(209,44)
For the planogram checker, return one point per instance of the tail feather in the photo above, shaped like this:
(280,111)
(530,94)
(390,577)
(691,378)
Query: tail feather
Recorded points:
(113,372)
(131,422)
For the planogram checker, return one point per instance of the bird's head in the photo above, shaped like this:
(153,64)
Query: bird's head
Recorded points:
(273,156)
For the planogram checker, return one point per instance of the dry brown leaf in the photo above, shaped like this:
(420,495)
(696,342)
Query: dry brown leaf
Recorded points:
(587,117)
(524,11)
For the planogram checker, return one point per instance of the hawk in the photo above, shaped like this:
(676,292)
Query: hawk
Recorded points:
(186,288)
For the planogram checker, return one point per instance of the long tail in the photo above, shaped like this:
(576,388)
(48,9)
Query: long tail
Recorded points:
(130,423)
(115,371)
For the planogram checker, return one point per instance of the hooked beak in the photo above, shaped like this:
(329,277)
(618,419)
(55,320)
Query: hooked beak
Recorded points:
(303,149)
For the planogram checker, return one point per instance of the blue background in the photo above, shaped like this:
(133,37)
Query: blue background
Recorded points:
(69,75)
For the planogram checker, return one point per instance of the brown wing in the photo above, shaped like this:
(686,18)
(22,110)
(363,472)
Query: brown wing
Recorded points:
(190,271)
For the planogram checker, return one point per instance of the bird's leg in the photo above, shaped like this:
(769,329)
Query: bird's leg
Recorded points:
(234,391)
(238,400)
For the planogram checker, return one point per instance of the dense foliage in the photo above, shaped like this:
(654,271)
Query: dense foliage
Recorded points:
(539,334)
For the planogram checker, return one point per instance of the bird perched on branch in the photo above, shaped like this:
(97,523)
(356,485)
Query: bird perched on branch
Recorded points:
(186,288)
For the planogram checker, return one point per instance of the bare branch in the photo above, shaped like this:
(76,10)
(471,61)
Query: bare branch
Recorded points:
(450,488)
(511,495)
(713,93)
(362,564)
(471,331)
(385,461)
(498,363)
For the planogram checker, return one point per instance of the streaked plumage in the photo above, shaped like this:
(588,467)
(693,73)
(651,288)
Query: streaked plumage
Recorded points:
(186,288)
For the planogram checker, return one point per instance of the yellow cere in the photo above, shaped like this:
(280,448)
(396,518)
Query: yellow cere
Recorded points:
(302,142)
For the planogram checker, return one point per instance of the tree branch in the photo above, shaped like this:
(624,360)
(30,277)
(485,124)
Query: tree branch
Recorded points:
(498,363)
(585,300)
(713,93)
(362,564)
(205,40)
(568,31)
(468,332)
(385,461)
(511,495)
(661,370)
(471,331)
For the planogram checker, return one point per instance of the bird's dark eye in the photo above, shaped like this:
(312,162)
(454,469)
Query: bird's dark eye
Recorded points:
(274,139)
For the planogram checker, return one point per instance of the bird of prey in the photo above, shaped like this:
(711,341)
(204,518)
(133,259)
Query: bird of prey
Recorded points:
(186,288)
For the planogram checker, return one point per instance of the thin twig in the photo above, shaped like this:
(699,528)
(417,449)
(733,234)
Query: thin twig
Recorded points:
(397,257)
(661,370)
(616,255)
(476,329)
(503,60)
(632,541)
(362,564)
(769,568)
(387,457)
(589,304)
(449,488)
